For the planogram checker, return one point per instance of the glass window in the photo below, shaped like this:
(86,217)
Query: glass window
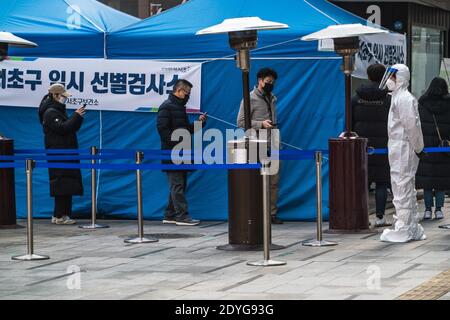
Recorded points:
(128,6)
(427,49)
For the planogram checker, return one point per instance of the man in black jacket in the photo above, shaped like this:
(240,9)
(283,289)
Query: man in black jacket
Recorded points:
(61,133)
(172,116)
(370,116)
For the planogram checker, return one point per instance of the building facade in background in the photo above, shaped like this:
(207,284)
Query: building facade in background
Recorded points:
(142,8)
(426,24)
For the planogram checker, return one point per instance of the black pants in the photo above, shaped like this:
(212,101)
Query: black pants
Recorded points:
(63,206)
(177,204)
(381,198)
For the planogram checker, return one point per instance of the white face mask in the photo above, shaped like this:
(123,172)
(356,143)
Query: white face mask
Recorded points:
(391,85)
(63,100)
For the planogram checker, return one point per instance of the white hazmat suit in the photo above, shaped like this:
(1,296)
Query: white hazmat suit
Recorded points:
(405,140)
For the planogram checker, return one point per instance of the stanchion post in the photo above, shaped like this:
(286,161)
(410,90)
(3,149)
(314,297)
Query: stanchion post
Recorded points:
(319,242)
(93,224)
(140,238)
(30,241)
(265,172)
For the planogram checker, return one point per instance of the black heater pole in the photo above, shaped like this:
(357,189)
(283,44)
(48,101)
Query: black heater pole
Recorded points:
(348,105)
(246,95)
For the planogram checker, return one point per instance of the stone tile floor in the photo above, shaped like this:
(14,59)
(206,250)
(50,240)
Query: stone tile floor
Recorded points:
(87,264)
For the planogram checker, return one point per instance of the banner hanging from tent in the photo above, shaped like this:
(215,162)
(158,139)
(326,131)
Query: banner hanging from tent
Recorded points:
(387,49)
(116,85)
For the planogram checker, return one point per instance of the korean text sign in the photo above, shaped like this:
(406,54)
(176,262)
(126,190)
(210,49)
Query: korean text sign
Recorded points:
(117,85)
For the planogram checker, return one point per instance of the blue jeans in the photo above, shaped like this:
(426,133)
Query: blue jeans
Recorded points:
(380,198)
(428,197)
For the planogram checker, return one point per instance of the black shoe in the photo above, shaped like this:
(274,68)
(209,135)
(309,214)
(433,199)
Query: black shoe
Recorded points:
(186,220)
(169,220)
(275,220)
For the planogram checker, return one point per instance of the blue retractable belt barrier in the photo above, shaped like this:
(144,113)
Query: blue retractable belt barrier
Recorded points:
(42,155)
(151,154)
(64,158)
(52,151)
(146,166)
(93,157)
(11,165)
(372,151)
(88,151)
(113,154)
(146,151)
(132,166)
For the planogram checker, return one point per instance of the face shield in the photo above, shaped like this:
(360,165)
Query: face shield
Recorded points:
(387,75)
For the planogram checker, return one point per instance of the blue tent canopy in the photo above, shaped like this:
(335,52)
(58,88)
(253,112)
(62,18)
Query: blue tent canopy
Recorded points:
(62,28)
(171,35)
(310,91)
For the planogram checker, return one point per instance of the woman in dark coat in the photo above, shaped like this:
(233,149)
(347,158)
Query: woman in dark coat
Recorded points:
(433,174)
(370,115)
(60,133)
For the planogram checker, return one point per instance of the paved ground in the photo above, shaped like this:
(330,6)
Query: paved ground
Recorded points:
(360,267)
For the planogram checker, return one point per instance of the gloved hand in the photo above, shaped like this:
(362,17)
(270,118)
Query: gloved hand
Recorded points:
(421,155)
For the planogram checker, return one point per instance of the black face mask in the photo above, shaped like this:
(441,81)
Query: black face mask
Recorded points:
(268,88)
(186,98)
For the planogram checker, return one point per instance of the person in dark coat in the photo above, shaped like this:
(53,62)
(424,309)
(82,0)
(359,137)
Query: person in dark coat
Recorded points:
(60,133)
(433,174)
(370,115)
(172,116)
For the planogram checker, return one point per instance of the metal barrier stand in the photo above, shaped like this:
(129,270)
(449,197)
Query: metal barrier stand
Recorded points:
(140,238)
(265,172)
(93,224)
(319,242)
(30,242)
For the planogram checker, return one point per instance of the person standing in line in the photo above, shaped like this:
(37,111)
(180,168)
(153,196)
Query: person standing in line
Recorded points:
(370,107)
(263,113)
(60,132)
(433,174)
(172,116)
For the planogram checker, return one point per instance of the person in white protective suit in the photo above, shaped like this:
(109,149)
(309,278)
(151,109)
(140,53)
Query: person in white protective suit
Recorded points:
(405,150)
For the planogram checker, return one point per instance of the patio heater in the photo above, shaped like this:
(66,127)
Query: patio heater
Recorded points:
(7,39)
(244,186)
(348,154)
(7,182)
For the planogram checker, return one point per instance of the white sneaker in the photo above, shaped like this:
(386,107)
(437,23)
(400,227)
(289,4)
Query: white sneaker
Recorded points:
(427,215)
(380,222)
(65,220)
(186,220)
(439,214)
(53,220)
